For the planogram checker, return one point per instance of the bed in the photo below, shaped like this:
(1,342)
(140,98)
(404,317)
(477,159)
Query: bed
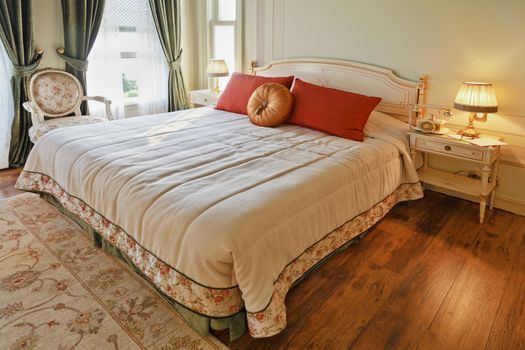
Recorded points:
(223,216)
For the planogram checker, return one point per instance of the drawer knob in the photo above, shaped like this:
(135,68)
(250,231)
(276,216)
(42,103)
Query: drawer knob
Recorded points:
(205,100)
(448,148)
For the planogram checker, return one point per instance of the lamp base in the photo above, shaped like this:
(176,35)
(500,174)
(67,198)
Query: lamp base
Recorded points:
(469,131)
(216,88)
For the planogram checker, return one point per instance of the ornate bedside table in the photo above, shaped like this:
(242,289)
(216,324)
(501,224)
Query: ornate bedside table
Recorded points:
(487,157)
(203,97)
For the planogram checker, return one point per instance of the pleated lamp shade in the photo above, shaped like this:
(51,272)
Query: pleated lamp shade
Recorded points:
(217,68)
(476,97)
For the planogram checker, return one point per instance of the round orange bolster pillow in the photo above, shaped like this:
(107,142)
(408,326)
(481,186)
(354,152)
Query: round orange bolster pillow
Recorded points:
(270,105)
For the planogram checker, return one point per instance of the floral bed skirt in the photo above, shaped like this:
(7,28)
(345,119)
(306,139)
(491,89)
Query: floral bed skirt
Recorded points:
(207,307)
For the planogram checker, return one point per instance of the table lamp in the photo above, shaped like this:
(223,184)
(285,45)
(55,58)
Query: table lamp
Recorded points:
(215,69)
(475,98)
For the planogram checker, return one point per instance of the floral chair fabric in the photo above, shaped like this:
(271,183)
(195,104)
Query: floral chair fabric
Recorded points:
(55,93)
(54,96)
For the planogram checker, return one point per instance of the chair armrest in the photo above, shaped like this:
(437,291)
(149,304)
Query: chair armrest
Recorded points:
(29,106)
(36,116)
(101,99)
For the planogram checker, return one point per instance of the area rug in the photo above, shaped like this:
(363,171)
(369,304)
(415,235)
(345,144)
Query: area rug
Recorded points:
(58,291)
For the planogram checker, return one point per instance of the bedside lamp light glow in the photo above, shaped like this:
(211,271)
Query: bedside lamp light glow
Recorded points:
(215,69)
(475,98)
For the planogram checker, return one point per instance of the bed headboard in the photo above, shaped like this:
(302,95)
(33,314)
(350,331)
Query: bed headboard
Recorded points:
(397,93)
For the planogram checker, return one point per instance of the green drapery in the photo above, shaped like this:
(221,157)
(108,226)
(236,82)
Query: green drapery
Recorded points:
(82,19)
(16,33)
(166,14)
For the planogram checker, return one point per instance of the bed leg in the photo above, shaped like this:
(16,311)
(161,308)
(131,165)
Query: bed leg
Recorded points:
(199,323)
(237,326)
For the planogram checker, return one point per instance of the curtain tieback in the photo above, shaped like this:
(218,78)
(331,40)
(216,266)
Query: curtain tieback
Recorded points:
(25,71)
(75,63)
(174,65)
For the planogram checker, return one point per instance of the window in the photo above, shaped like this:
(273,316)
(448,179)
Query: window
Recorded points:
(127,64)
(224,34)
(128,46)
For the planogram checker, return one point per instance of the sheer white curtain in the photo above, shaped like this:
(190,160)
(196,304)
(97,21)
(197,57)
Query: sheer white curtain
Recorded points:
(6,107)
(127,64)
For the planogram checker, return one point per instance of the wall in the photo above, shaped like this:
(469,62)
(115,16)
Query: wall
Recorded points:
(190,71)
(450,41)
(49,35)
(48,31)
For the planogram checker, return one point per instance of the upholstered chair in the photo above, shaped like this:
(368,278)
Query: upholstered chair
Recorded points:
(54,95)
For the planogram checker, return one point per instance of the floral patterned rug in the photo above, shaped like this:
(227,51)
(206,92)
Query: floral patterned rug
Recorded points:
(58,291)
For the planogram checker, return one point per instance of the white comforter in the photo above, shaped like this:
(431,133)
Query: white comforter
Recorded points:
(219,199)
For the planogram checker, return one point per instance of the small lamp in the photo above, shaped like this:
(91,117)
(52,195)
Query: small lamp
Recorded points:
(215,69)
(475,98)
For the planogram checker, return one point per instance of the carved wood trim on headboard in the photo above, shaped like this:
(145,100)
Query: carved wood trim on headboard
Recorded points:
(398,94)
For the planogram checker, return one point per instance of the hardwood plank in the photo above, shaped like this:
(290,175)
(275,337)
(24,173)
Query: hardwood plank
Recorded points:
(508,331)
(8,179)
(465,319)
(367,294)
(366,289)
(360,292)
(423,286)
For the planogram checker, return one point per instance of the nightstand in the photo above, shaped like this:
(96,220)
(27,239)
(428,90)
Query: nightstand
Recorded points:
(203,97)
(486,157)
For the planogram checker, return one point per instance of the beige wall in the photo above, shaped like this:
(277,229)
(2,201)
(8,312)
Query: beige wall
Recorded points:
(48,31)
(190,71)
(450,41)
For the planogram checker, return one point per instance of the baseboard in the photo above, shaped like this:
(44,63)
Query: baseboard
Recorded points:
(513,205)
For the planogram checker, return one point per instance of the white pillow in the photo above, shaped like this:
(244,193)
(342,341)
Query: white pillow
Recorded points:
(380,125)
(378,121)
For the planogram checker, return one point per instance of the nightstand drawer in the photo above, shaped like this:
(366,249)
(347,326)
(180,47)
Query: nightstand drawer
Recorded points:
(447,148)
(203,100)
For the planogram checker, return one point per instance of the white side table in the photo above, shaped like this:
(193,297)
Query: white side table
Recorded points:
(203,97)
(487,157)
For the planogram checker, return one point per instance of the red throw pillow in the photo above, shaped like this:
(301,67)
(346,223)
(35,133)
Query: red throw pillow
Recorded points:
(333,111)
(241,86)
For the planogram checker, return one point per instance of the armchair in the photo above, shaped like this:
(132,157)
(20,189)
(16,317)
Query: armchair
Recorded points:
(54,95)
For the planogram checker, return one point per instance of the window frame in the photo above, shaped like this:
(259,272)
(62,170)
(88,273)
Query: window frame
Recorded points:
(129,102)
(213,21)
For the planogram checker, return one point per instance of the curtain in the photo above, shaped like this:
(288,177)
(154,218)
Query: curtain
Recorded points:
(81,20)
(16,33)
(127,64)
(166,14)
(6,107)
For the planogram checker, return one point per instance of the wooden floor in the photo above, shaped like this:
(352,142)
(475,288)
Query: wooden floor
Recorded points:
(7,183)
(427,276)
